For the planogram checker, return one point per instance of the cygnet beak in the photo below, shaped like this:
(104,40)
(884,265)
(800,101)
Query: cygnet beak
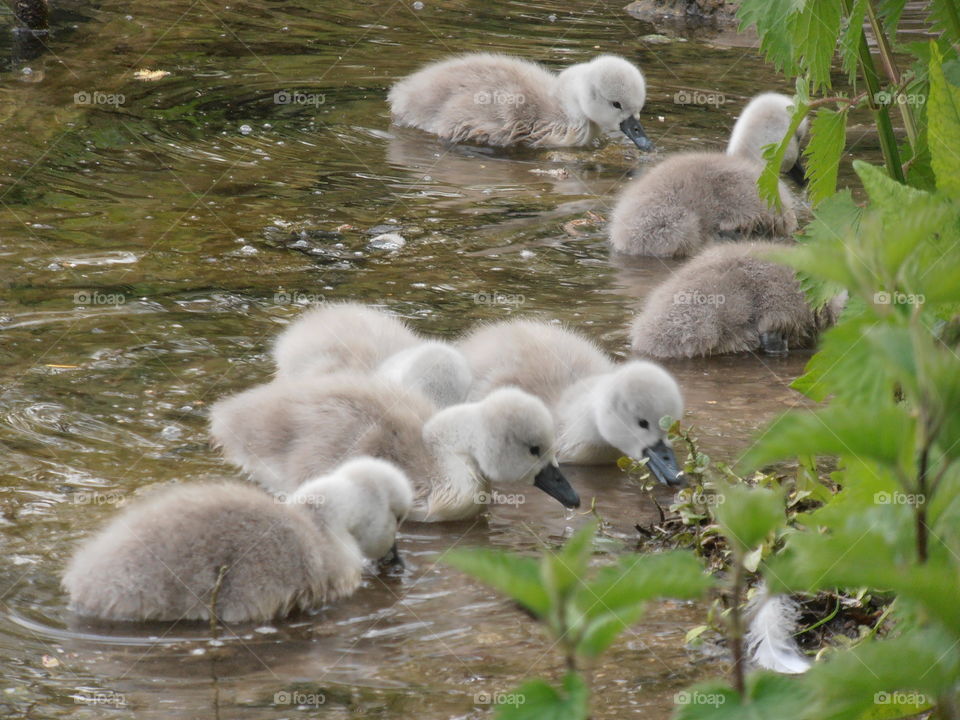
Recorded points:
(663,464)
(391,560)
(632,128)
(798,173)
(554,484)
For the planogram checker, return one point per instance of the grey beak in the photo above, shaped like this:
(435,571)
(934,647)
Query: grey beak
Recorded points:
(663,464)
(554,484)
(391,560)
(798,173)
(632,128)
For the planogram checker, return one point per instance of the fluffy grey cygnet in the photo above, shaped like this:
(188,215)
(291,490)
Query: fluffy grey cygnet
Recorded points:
(166,556)
(691,199)
(602,410)
(284,432)
(728,299)
(499,100)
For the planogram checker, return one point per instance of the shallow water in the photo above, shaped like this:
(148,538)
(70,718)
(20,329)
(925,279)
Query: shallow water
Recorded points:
(153,242)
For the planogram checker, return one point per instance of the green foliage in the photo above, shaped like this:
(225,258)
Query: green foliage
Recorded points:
(769,181)
(891,374)
(944,129)
(766,697)
(585,609)
(828,134)
(538,700)
(748,515)
(813,32)
(801,37)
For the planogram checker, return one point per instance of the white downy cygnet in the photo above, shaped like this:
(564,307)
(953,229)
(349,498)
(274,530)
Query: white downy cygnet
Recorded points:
(353,336)
(602,410)
(182,550)
(691,199)
(340,336)
(284,432)
(435,369)
(500,100)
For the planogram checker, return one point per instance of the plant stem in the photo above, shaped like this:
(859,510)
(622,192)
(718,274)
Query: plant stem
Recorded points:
(893,75)
(922,504)
(736,626)
(888,141)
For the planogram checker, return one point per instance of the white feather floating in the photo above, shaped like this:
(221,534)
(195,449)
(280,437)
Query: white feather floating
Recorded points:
(770,643)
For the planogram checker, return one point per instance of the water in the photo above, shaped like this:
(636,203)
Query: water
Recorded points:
(154,236)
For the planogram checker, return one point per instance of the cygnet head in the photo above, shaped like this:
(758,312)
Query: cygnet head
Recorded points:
(366,497)
(628,405)
(516,444)
(436,370)
(611,91)
(764,121)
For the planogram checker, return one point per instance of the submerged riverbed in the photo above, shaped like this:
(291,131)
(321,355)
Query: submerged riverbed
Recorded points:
(157,232)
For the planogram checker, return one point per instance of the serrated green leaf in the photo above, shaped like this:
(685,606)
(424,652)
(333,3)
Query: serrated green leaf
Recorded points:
(768,184)
(513,575)
(563,570)
(887,196)
(944,19)
(748,515)
(768,697)
(838,430)
(638,578)
(771,19)
(600,632)
(828,133)
(890,12)
(845,366)
(822,248)
(538,700)
(943,127)
(814,31)
(856,681)
(850,39)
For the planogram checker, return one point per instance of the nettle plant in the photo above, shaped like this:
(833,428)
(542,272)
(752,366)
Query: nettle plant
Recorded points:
(802,37)
(889,375)
(583,608)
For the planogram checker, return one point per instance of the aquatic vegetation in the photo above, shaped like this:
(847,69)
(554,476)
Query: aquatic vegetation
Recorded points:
(888,521)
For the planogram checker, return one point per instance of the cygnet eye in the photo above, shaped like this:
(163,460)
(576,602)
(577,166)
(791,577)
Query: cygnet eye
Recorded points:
(643,423)
(535,450)
(617,105)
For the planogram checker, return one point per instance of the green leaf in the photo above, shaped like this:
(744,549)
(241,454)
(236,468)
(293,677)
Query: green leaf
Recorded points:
(943,127)
(845,366)
(838,430)
(563,570)
(850,40)
(944,18)
(770,17)
(887,196)
(768,183)
(600,632)
(814,31)
(821,256)
(538,700)
(876,673)
(638,578)
(827,141)
(768,697)
(748,515)
(890,11)
(515,576)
